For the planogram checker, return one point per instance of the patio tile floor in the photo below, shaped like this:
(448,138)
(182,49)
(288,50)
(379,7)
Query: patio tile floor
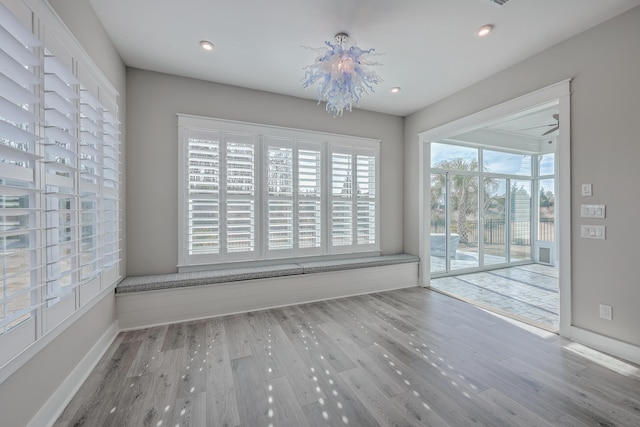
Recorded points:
(530,291)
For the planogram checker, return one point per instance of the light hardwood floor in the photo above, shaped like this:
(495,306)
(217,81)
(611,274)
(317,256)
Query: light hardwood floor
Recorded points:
(409,357)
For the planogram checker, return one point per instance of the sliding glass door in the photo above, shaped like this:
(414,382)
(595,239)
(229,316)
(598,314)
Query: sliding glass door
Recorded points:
(481,218)
(494,221)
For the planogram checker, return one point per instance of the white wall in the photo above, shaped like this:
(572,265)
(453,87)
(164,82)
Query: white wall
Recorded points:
(27,390)
(604,63)
(154,99)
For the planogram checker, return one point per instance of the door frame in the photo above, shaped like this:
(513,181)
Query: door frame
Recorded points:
(561,92)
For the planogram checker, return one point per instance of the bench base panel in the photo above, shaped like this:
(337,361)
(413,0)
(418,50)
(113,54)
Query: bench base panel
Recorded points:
(150,308)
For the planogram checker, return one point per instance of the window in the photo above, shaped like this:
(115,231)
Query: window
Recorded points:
(254,192)
(59,181)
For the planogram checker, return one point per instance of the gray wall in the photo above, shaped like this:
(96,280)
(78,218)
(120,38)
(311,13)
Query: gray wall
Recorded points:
(29,388)
(154,99)
(604,63)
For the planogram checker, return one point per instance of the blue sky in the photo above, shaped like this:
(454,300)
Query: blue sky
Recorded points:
(494,161)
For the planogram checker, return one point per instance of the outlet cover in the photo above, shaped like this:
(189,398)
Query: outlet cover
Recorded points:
(606,312)
(587,190)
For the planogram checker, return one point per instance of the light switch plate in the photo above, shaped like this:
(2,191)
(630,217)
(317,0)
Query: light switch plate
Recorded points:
(592,211)
(593,232)
(587,190)
(606,312)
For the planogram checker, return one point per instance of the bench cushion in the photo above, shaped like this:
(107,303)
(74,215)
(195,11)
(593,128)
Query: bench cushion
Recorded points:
(351,263)
(180,280)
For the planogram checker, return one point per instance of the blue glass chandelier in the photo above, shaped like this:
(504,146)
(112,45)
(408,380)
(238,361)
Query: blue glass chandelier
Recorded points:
(342,70)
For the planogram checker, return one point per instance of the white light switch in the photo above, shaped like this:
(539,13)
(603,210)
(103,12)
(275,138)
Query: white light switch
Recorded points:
(592,211)
(593,232)
(586,190)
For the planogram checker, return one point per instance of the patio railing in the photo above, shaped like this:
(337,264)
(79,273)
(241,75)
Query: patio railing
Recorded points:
(494,230)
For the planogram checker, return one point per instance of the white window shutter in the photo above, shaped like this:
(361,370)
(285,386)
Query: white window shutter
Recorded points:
(20,197)
(61,173)
(203,193)
(240,195)
(254,192)
(309,204)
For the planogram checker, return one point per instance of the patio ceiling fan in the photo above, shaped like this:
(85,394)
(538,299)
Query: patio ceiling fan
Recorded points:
(554,126)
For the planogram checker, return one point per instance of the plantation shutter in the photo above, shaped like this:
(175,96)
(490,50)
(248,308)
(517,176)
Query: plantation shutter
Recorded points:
(354,199)
(342,199)
(280,203)
(366,191)
(309,198)
(110,188)
(203,229)
(20,205)
(91,123)
(253,192)
(240,195)
(61,173)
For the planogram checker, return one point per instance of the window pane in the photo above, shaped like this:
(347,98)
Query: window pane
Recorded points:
(450,156)
(547,164)
(17,256)
(507,163)
(520,220)
(547,201)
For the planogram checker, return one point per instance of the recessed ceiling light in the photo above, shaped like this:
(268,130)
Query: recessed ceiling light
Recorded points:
(395,89)
(484,31)
(206,45)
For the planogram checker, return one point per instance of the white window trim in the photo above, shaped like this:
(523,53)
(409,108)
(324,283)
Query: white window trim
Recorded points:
(301,139)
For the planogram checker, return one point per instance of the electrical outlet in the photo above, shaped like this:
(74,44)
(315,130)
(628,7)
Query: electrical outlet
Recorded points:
(587,190)
(606,312)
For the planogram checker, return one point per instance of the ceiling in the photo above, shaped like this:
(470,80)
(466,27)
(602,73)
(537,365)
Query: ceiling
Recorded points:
(522,131)
(429,47)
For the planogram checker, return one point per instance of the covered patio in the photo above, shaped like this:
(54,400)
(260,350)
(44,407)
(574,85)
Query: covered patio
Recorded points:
(527,292)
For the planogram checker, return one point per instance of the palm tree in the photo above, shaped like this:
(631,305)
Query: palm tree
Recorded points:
(463,191)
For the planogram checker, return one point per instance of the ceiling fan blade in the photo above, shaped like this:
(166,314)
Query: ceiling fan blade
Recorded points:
(551,130)
(536,127)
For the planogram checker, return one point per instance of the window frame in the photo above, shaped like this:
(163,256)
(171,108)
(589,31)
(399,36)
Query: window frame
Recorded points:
(297,140)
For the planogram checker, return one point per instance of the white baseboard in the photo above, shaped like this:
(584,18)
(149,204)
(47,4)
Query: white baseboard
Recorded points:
(605,344)
(49,413)
(144,309)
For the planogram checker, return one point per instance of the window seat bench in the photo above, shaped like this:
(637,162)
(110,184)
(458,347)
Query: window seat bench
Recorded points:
(143,301)
(180,280)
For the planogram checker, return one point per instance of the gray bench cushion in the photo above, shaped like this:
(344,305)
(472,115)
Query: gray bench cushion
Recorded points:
(181,280)
(348,264)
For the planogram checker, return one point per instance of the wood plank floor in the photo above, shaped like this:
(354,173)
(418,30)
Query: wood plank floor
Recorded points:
(409,357)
